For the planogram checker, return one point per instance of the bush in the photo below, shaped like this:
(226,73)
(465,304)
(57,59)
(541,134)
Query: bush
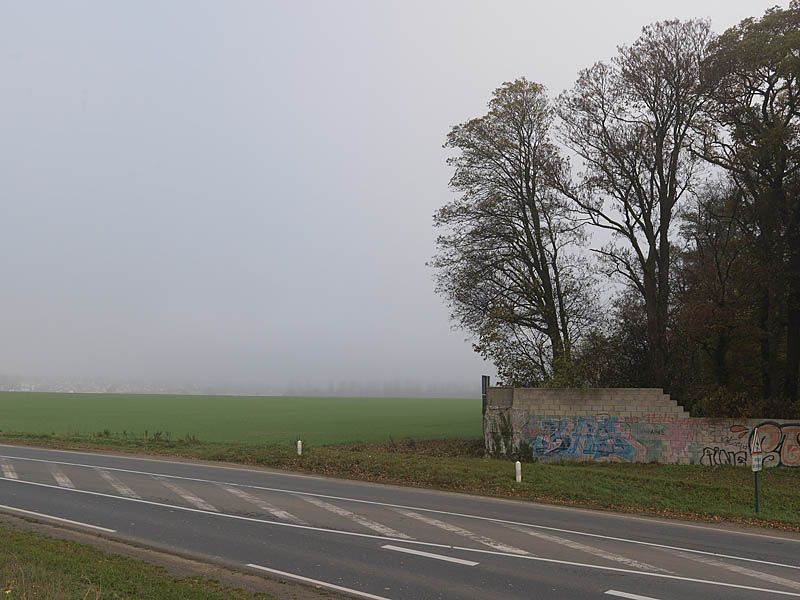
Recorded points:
(725,403)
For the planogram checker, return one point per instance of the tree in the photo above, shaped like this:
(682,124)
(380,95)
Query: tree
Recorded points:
(504,262)
(753,132)
(630,122)
(713,296)
(614,354)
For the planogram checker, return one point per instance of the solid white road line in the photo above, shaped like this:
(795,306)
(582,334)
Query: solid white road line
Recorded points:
(460,561)
(117,484)
(415,542)
(325,584)
(420,509)
(52,518)
(629,596)
(634,564)
(481,539)
(254,471)
(364,522)
(790,583)
(187,495)
(61,478)
(263,504)
(8,470)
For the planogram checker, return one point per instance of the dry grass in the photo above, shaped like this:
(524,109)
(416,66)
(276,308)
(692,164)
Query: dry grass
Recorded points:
(36,567)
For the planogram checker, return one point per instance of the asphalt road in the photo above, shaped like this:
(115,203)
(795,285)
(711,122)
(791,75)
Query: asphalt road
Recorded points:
(386,542)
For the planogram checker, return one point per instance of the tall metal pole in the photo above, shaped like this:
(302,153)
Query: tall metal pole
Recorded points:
(755,474)
(484,392)
(757,461)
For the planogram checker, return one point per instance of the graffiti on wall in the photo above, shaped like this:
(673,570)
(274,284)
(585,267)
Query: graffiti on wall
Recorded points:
(714,456)
(600,437)
(779,442)
(604,437)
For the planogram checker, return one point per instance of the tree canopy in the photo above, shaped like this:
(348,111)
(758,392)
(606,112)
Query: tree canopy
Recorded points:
(677,163)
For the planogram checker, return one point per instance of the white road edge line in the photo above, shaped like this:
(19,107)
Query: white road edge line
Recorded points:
(774,579)
(418,543)
(277,472)
(428,510)
(460,561)
(53,518)
(629,596)
(325,584)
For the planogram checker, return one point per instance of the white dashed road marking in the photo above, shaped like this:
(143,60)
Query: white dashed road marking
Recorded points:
(61,479)
(8,470)
(117,484)
(262,504)
(635,564)
(629,596)
(186,495)
(377,527)
(481,539)
(460,561)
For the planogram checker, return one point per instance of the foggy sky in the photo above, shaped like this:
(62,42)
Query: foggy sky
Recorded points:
(242,192)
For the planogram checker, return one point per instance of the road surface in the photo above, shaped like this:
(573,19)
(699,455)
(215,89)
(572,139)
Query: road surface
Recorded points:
(386,542)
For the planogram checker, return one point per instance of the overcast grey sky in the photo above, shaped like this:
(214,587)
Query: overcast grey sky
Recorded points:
(242,191)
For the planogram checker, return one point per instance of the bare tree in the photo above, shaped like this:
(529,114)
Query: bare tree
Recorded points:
(504,263)
(630,122)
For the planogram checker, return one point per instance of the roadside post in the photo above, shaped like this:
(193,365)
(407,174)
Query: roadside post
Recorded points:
(484,392)
(299,447)
(518,471)
(757,461)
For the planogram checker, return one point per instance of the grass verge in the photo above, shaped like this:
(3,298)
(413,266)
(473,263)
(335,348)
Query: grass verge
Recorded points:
(36,566)
(677,491)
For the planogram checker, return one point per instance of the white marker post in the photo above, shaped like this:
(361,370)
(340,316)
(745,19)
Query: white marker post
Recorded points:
(518,471)
(757,461)
(299,447)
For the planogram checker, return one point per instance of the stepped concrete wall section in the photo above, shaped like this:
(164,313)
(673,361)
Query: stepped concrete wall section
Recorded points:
(626,425)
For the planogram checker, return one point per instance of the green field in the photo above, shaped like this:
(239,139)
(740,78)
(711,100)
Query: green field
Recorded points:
(248,419)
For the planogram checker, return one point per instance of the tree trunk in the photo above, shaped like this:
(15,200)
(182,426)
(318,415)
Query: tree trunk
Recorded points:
(793,305)
(657,363)
(720,359)
(662,296)
(772,293)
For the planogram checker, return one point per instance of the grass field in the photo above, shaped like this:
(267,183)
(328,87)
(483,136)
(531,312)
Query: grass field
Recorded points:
(244,419)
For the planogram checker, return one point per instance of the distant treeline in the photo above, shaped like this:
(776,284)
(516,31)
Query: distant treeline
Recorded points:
(643,227)
(360,389)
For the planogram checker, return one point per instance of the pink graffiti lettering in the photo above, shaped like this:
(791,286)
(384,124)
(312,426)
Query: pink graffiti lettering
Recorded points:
(780,443)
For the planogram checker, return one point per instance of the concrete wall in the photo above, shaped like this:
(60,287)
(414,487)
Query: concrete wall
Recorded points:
(631,425)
